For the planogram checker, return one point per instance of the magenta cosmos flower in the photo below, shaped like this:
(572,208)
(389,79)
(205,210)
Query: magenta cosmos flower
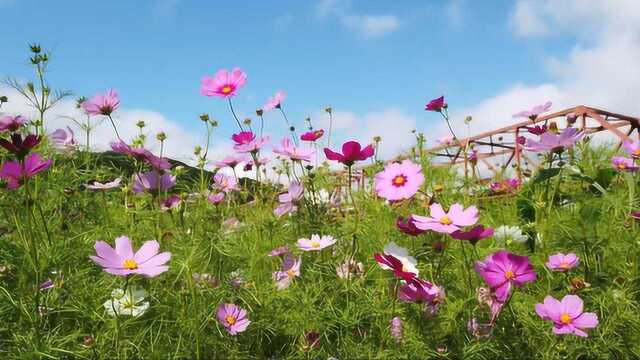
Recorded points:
(122,261)
(316,243)
(223,84)
(233,318)
(288,200)
(561,262)
(436,104)
(551,142)
(225,183)
(289,270)
(534,112)
(15,173)
(474,235)
(312,135)
(352,151)
(622,163)
(505,186)
(275,101)
(502,270)
(12,123)
(567,315)
(246,142)
(152,181)
(422,291)
(104,186)
(390,262)
(288,149)
(18,146)
(537,130)
(632,148)
(63,140)
(408,227)
(447,222)
(102,104)
(399,181)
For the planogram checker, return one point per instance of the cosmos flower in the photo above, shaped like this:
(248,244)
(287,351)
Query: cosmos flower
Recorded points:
(104,186)
(502,270)
(552,142)
(225,183)
(295,153)
(421,291)
(152,181)
(141,154)
(447,222)
(395,327)
(352,151)
(102,104)
(408,227)
(129,303)
(279,251)
(409,263)
(289,270)
(436,104)
(233,318)
(289,199)
(513,233)
(399,181)
(561,262)
(275,101)
(231,161)
(246,142)
(505,186)
(537,130)
(632,148)
(12,123)
(63,140)
(624,164)
(534,112)
(316,243)
(16,173)
(123,262)
(474,235)
(216,198)
(312,135)
(18,146)
(567,315)
(223,84)
(171,202)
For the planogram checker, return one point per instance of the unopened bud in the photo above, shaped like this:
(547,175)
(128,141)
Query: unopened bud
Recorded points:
(292,128)
(377,139)
(140,124)
(204,117)
(80,101)
(214,123)
(259,112)
(328,110)
(247,121)
(161,136)
(35,48)
(468,119)
(3,99)
(197,150)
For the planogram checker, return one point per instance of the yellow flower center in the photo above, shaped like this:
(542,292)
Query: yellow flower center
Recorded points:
(509,275)
(564,265)
(622,166)
(399,180)
(445,220)
(230,319)
(315,244)
(226,89)
(565,319)
(636,152)
(130,264)
(291,273)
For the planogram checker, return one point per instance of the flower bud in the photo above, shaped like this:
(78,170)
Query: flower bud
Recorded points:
(140,124)
(204,117)
(161,136)
(3,99)
(377,139)
(328,110)
(197,150)
(35,48)
(259,112)
(214,123)
(292,128)
(247,121)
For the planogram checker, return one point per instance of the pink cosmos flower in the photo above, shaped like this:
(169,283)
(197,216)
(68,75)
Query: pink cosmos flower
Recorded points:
(12,123)
(63,140)
(474,235)
(447,222)
(171,202)
(396,329)
(436,104)
(288,149)
(223,84)
(446,140)
(421,291)
(216,198)
(225,183)
(534,112)
(246,142)
(257,161)
(19,146)
(316,243)
(233,318)
(15,173)
(622,163)
(551,142)
(567,315)
(152,181)
(123,262)
(502,270)
(537,130)
(506,186)
(394,264)
(561,262)
(312,135)
(102,104)
(104,186)
(399,181)
(289,199)
(231,161)
(279,251)
(122,148)
(289,270)
(351,152)
(632,148)
(408,227)
(275,101)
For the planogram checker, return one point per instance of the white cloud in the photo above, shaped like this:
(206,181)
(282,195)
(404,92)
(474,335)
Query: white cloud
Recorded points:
(165,7)
(526,21)
(367,25)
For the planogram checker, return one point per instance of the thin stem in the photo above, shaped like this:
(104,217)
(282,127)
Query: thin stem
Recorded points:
(445,115)
(234,114)
(114,127)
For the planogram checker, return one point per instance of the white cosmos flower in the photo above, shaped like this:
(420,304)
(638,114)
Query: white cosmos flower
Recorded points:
(409,263)
(505,232)
(130,303)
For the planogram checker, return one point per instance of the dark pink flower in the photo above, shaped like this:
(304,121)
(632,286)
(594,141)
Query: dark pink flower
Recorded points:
(171,202)
(395,265)
(352,151)
(18,146)
(408,227)
(502,270)
(537,130)
(12,123)
(17,172)
(102,104)
(312,135)
(474,235)
(223,84)
(436,104)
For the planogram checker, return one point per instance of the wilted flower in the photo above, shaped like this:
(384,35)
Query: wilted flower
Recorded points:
(233,318)
(18,146)
(102,104)
(501,270)
(447,222)
(399,181)
(223,84)
(316,243)
(129,303)
(205,279)
(279,251)
(350,269)
(396,329)
(561,262)
(123,262)
(567,315)
(479,330)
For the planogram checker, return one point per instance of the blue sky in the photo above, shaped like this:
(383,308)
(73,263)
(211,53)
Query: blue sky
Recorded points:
(358,56)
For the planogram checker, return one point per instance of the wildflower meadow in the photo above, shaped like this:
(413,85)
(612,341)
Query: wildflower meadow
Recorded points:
(302,246)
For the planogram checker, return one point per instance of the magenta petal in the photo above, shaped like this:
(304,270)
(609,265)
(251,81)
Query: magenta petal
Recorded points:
(332,155)
(351,149)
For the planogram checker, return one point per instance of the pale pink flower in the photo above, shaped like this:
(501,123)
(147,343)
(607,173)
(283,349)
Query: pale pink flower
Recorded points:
(275,101)
(104,186)
(551,142)
(225,183)
(535,111)
(216,198)
(152,181)
(224,83)
(289,270)
(567,315)
(293,152)
(102,104)
(632,148)
(446,222)
(122,261)
(624,164)
(561,262)
(12,123)
(316,243)
(63,140)
(288,200)
(399,181)
(233,318)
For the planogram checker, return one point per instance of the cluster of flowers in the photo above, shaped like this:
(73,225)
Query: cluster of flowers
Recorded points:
(625,164)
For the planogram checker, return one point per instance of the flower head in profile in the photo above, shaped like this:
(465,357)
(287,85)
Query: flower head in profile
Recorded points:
(502,270)
(473,235)
(225,183)
(537,130)
(289,270)
(63,140)
(104,104)
(508,233)
(316,243)
(233,318)
(20,146)
(295,153)
(223,84)
(12,123)
(127,303)
(567,315)
(398,260)
(275,101)
(104,186)
(288,200)
(534,111)
(279,251)
(422,291)
(313,135)
(408,227)
(16,173)
(171,202)
(399,181)
(216,198)
(152,181)
(561,262)
(352,151)
(436,104)
(122,261)
(552,142)
(505,186)
(231,161)
(447,222)
(632,148)
(247,142)
(624,164)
